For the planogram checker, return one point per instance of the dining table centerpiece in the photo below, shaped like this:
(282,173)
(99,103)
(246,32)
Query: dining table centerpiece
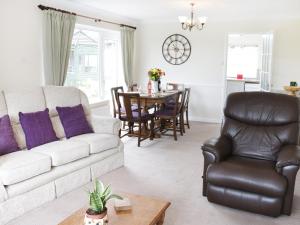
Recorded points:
(155,75)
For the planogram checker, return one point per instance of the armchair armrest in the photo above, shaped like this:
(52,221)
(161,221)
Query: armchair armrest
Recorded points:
(289,155)
(106,125)
(288,162)
(214,150)
(220,147)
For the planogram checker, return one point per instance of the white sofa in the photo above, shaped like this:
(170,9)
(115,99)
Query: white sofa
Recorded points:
(30,178)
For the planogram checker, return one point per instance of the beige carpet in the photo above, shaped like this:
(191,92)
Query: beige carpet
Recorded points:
(168,169)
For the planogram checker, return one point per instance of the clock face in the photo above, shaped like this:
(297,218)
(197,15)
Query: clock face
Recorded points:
(176,49)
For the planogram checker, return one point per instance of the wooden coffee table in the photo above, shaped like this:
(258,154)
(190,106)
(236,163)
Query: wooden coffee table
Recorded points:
(145,211)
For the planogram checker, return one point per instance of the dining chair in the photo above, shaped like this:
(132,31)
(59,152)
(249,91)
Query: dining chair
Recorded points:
(175,87)
(114,93)
(185,109)
(172,114)
(114,96)
(133,117)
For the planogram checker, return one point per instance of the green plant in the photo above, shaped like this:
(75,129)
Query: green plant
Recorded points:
(100,196)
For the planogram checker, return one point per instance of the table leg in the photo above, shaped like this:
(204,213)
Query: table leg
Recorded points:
(161,220)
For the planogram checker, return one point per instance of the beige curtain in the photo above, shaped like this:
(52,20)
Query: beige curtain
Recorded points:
(59,28)
(127,43)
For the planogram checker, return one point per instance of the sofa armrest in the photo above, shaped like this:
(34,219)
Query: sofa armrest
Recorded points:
(289,155)
(3,193)
(105,125)
(220,147)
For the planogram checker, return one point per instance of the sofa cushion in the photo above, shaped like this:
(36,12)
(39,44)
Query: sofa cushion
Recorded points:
(72,96)
(64,151)
(19,135)
(24,101)
(3,108)
(98,142)
(74,120)
(8,143)
(38,128)
(22,165)
(58,127)
(249,175)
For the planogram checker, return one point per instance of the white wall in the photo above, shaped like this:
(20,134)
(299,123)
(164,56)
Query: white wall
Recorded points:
(20,44)
(204,71)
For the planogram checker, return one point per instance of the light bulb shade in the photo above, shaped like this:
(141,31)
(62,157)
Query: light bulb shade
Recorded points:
(182,19)
(202,19)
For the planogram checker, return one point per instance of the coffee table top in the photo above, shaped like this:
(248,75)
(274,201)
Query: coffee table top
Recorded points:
(145,211)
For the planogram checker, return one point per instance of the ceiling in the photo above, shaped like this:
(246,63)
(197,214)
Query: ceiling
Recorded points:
(169,10)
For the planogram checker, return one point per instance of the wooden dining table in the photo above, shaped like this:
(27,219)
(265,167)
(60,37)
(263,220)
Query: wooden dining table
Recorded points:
(149,100)
(155,98)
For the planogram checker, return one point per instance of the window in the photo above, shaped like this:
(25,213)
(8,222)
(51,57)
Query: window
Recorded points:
(95,62)
(243,60)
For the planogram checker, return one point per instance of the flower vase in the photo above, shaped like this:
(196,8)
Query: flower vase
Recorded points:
(155,87)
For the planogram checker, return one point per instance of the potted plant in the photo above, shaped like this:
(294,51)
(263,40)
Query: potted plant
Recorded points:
(155,75)
(97,212)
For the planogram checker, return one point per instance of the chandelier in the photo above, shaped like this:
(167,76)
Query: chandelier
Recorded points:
(190,23)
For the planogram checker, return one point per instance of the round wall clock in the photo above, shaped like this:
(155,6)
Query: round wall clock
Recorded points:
(176,49)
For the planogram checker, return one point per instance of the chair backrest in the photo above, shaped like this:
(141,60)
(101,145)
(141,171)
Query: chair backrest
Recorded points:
(181,101)
(128,99)
(175,87)
(172,102)
(260,123)
(114,96)
(187,97)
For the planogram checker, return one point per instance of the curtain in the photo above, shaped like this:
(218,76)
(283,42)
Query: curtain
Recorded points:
(266,62)
(127,45)
(59,28)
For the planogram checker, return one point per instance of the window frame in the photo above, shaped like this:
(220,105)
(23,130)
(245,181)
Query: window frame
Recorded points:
(104,34)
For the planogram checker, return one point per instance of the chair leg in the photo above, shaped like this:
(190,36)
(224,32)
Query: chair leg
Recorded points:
(187,118)
(162,125)
(179,123)
(175,129)
(181,126)
(129,128)
(152,129)
(140,134)
(182,121)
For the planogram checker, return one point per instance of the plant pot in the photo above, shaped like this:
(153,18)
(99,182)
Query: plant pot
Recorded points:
(92,218)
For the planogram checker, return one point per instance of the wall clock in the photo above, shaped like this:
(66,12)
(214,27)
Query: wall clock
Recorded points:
(176,49)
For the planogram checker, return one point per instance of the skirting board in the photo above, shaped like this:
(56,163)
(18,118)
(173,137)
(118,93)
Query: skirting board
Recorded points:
(206,120)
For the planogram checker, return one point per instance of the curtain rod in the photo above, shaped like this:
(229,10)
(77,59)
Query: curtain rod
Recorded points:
(42,7)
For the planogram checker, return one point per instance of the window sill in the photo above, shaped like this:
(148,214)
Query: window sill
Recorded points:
(99,104)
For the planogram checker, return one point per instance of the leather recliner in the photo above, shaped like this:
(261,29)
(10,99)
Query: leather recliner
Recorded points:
(253,164)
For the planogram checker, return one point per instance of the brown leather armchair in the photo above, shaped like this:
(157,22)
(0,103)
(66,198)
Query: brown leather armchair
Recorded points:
(253,164)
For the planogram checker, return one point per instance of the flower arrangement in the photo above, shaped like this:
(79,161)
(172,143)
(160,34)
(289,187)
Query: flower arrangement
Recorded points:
(155,74)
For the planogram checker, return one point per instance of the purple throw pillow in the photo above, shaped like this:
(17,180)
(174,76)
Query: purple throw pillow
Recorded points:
(38,128)
(74,121)
(8,143)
